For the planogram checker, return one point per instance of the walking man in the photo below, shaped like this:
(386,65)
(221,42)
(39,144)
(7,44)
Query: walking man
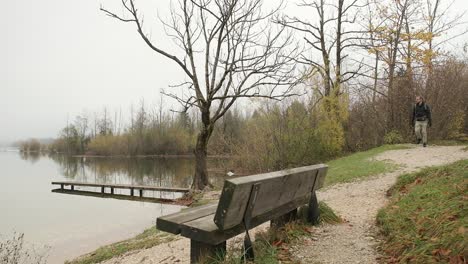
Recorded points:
(421,120)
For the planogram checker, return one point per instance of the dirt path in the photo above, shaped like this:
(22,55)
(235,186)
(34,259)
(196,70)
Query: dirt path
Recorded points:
(358,202)
(352,242)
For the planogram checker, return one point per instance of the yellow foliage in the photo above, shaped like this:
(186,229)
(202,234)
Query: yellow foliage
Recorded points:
(456,126)
(333,112)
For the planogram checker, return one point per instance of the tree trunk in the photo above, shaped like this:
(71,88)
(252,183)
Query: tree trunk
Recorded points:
(200,179)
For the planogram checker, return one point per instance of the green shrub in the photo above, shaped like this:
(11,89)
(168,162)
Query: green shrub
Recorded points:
(393,137)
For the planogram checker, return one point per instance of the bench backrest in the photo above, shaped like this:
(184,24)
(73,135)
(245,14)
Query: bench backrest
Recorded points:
(278,192)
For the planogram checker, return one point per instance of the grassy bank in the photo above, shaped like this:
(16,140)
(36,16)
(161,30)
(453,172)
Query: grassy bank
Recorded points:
(359,165)
(427,218)
(149,238)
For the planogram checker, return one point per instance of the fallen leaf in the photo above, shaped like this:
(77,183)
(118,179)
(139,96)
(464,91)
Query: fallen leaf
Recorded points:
(445,252)
(452,217)
(277,243)
(457,260)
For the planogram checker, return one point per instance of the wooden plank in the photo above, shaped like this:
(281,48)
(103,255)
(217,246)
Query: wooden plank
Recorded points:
(205,230)
(321,178)
(116,196)
(172,223)
(125,186)
(277,189)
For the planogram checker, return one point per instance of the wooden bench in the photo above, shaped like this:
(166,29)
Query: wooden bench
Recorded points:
(246,202)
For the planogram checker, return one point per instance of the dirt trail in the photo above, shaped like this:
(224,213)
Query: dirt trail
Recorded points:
(357,202)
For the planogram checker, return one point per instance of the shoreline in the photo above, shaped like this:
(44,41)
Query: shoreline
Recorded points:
(172,156)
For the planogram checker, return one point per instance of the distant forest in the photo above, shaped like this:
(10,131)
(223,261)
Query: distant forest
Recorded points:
(362,64)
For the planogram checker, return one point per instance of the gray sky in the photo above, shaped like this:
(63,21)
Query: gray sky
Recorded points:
(59,58)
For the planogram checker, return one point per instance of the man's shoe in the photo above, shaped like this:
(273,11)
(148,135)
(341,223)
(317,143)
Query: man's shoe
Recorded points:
(424,145)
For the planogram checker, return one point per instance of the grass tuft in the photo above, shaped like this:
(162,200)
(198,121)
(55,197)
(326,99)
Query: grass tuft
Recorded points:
(327,215)
(427,218)
(360,165)
(149,238)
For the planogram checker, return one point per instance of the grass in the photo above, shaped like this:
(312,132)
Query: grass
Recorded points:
(270,247)
(149,238)
(447,142)
(427,218)
(359,165)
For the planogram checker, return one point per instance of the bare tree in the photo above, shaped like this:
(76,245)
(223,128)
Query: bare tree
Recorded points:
(326,34)
(229,50)
(438,21)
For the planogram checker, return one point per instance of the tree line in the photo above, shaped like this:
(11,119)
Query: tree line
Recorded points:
(343,77)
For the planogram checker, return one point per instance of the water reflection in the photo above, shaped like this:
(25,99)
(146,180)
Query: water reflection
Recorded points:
(154,172)
(164,172)
(32,157)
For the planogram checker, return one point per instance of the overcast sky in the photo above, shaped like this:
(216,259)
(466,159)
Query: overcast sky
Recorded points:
(59,58)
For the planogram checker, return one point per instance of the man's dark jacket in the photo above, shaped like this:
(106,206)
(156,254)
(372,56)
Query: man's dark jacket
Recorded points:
(422,112)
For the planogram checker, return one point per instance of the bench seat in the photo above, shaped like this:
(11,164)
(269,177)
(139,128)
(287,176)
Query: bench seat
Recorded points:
(197,223)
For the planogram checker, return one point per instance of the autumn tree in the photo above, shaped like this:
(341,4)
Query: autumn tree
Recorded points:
(228,50)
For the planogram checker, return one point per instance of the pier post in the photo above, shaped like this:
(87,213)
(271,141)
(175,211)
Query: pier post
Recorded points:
(102,189)
(112,190)
(141,192)
(131,191)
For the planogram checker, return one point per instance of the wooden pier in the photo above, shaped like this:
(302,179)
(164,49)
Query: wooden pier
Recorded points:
(132,188)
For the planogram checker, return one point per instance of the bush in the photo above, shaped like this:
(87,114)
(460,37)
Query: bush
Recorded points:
(393,137)
(14,251)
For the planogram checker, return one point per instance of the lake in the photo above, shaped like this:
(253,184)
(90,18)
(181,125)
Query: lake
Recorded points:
(71,225)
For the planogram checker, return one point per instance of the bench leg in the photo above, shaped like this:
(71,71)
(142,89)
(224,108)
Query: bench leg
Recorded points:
(102,189)
(131,192)
(72,187)
(282,220)
(202,251)
(313,213)
(112,190)
(141,193)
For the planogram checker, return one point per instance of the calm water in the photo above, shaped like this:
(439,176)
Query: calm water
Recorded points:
(71,224)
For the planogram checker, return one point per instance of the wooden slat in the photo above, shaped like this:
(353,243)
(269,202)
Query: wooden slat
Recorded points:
(276,189)
(172,223)
(116,196)
(125,186)
(321,178)
(205,230)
